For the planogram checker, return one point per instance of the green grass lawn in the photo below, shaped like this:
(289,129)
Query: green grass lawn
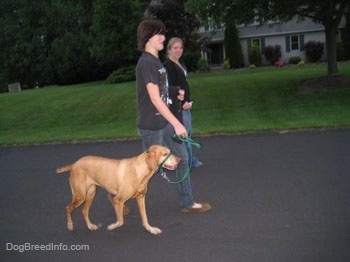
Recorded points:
(224,102)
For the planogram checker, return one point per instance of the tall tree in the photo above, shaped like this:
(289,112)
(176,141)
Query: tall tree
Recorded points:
(66,41)
(233,46)
(45,42)
(178,21)
(328,13)
(20,42)
(113,31)
(66,26)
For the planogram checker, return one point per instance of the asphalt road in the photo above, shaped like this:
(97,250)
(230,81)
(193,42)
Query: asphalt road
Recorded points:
(275,197)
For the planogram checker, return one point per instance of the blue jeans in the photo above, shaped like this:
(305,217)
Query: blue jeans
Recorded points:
(164,137)
(187,121)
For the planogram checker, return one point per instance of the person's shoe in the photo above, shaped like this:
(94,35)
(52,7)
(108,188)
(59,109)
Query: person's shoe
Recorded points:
(203,208)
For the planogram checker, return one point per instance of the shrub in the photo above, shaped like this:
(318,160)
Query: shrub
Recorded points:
(252,66)
(301,63)
(294,60)
(314,50)
(273,53)
(124,74)
(202,65)
(279,64)
(226,64)
(254,55)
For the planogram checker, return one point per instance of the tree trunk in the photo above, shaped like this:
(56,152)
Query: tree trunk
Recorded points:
(331,48)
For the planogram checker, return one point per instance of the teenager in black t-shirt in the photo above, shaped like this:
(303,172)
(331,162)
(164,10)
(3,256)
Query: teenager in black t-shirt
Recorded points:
(155,122)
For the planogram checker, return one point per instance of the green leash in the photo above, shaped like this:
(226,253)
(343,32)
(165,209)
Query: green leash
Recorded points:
(191,142)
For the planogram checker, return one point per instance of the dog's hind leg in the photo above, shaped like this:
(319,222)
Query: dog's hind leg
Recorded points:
(90,195)
(78,197)
(76,202)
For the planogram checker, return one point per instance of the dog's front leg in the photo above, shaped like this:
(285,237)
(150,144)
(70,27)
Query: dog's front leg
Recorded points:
(142,208)
(118,206)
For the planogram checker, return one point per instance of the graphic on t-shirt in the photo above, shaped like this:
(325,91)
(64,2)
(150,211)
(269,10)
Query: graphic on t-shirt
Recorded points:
(164,86)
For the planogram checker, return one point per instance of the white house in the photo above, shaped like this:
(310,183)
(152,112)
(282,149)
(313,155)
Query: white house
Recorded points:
(291,36)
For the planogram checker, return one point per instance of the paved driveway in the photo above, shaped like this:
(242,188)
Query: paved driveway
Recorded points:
(275,197)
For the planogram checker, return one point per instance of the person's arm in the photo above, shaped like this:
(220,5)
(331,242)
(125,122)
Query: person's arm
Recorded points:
(177,78)
(153,92)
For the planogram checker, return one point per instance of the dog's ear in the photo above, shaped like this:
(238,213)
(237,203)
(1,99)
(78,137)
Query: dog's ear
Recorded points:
(151,159)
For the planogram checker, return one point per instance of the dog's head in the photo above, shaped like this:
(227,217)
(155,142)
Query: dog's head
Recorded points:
(161,156)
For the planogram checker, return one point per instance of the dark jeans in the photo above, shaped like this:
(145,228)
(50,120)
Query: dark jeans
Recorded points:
(164,137)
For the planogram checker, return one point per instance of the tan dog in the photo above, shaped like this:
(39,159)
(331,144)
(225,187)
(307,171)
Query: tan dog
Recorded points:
(124,178)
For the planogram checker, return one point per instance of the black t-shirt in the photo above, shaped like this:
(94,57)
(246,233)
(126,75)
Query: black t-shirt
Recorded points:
(149,69)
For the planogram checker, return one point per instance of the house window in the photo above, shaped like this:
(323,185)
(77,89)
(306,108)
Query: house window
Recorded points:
(294,42)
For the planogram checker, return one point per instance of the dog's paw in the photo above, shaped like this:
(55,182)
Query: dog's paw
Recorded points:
(154,230)
(70,226)
(93,227)
(114,225)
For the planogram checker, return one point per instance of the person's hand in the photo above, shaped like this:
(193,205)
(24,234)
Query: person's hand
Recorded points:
(187,106)
(180,130)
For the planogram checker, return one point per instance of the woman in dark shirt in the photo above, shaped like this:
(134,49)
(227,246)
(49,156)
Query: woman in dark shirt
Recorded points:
(177,77)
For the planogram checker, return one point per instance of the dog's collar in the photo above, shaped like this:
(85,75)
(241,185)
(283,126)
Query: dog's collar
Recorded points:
(165,159)
(161,170)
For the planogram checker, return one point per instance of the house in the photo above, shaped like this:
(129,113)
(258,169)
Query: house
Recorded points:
(290,35)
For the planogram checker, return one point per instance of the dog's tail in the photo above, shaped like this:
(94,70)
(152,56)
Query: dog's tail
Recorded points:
(64,169)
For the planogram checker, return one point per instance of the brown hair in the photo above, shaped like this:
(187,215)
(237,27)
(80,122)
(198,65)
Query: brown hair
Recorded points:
(147,29)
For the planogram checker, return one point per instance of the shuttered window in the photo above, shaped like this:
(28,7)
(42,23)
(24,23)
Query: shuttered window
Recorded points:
(294,42)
